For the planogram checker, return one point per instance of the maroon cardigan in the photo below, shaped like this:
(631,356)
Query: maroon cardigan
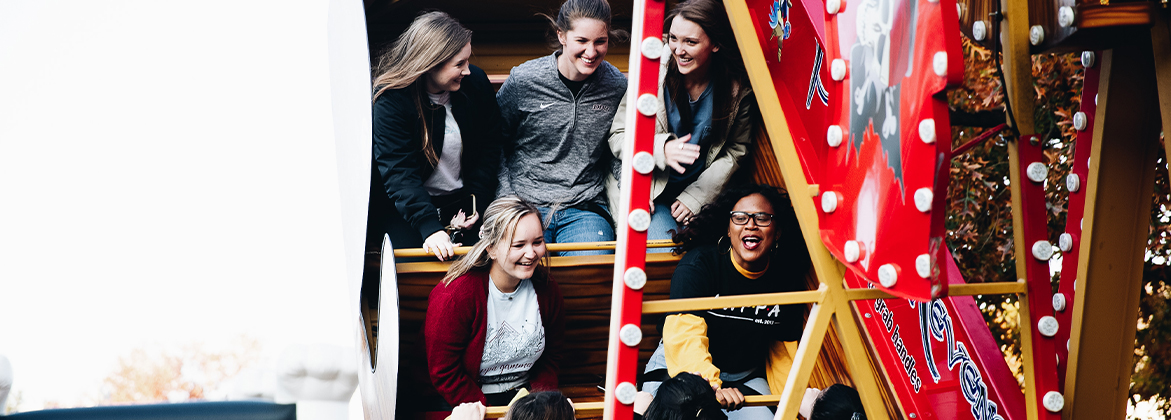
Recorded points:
(455,328)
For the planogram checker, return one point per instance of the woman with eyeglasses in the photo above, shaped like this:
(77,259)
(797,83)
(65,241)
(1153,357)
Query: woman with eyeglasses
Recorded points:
(746,241)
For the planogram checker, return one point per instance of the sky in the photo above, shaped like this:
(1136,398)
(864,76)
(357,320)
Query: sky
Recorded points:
(175,173)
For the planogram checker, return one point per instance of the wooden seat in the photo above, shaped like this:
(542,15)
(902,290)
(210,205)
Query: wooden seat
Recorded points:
(586,283)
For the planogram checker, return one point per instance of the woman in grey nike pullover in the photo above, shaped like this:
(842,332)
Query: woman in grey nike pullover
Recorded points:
(556,113)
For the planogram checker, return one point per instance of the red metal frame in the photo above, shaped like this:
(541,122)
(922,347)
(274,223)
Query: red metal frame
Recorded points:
(1040,293)
(626,309)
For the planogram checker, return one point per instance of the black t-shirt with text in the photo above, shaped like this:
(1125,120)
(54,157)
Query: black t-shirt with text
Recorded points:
(739,338)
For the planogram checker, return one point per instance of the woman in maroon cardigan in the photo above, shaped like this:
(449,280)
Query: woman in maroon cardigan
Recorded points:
(495,323)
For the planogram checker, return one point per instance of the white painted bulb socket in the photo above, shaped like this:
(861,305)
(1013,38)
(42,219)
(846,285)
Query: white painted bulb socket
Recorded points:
(643,163)
(1065,16)
(1037,172)
(625,393)
(979,30)
(1065,242)
(1047,326)
(834,135)
(1088,59)
(923,266)
(837,69)
(1053,401)
(652,48)
(1042,250)
(923,198)
(927,130)
(1079,121)
(888,275)
(1058,302)
(1073,183)
(647,104)
(852,251)
(833,6)
(939,64)
(635,278)
(829,201)
(631,335)
(1036,34)
(639,220)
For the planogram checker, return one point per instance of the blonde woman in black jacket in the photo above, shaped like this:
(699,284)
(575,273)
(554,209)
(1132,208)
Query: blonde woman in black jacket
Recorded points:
(436,138)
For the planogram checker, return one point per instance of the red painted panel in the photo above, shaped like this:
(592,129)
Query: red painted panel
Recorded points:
(890,86)
(942,361)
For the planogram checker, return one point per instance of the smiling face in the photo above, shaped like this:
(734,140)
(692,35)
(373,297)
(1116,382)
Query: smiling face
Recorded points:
(752,243)
(690,46)
(583,48)
(448,76)
(516,256)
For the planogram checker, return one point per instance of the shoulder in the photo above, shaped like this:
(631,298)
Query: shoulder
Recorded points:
(393,100)
(463,288)
(701,256)
(611,75)
(536,68)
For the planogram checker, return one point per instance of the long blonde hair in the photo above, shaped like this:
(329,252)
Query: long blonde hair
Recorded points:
(431,40)
(500,220)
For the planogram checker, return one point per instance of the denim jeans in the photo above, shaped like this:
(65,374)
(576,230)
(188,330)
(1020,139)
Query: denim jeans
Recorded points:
(659,361)
(576,225)
(661,223)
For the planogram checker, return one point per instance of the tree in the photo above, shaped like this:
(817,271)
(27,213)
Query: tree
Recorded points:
(190,372)
(979,220)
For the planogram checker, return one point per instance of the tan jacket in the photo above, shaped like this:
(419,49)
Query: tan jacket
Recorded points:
(723,157)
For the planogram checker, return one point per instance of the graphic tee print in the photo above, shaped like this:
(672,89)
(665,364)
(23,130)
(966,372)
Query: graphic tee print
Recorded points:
(515,340)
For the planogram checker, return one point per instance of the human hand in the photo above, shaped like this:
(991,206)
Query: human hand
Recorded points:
(642,401)
(679,152)
(440,245)
(468,411)
(730,398)
(460,221)
(680,212)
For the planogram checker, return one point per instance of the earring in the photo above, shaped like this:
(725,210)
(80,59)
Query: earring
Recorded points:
(721,240)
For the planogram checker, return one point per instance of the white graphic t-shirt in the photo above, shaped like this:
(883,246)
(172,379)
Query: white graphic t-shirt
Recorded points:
(515,340)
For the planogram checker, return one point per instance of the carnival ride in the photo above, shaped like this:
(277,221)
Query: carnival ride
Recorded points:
(856,127)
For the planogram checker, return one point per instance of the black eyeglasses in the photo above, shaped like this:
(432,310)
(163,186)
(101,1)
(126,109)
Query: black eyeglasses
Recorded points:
(762,219)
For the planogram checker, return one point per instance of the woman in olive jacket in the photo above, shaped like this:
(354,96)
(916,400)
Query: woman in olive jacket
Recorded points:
(705,121)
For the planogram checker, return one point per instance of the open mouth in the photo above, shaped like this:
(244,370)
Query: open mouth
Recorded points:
(526,264)
(589,61)
(683,62)
(750,242)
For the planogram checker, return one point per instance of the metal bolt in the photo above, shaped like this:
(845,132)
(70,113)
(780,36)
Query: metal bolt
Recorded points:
(837,69)
(1073,183)
(927,130)
(888,275)
(1042,250)
(833,135)
(833,6)
(1036,35)
(923,266)
(625,393)
(1047,326)
(1058,302)
(829,201)
(979,30)
(1088,58)
(1037,172)
(1053,401)
(923,198)
(652,48)
(647,104)
(630,334)
(635,278)
(1065,242)
(1065,16)
(639,220)
(939,64)
(853,251)
(643,163)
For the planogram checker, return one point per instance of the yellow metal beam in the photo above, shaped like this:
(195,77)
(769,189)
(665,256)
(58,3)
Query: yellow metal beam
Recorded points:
(1114,234)
(1018,75)
(700,304)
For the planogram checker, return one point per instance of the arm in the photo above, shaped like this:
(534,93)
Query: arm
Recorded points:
(509,120)
(398,161)
(481,180)
(780,361)
(618,136)
(713,179)
(544,374)
(686,345)
(447,331)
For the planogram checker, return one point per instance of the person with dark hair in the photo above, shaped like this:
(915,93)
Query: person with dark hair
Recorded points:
(556,112)
(747,241)
(436,138)
(544,405)
(494,324)
(705,121)
(685,397)
(838,402)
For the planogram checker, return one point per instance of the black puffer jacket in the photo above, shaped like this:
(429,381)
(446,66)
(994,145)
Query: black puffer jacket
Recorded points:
(399,166)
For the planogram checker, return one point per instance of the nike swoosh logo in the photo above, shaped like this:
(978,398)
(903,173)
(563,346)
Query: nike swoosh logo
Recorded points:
(546,106)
